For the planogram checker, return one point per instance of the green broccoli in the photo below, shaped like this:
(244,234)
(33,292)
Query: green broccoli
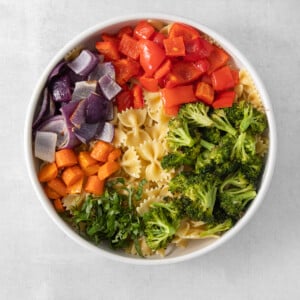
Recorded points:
(233,200)
(214,229)
(221,122)
(212,135)
(196,114)
(204,163)
(253,168)
(178,182)
(161,223)
(235,113)
(236,179)
(244,148)
(179,135)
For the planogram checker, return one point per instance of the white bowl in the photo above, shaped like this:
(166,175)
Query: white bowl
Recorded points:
(195,248)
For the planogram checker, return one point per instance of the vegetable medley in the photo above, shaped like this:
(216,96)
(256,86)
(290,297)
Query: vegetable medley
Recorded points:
(210,154)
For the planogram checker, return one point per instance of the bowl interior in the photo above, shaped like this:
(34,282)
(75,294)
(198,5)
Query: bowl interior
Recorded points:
(87,39)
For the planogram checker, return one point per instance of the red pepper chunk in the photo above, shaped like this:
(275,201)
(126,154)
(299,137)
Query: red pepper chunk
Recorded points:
(222,79)
(217,59)
(197,48)
(138,99)
(143,30)
(174,46)
(124,100)
(109,49)
(178,95)
(129,46)
(187,32)
(204,92)
(148,83)
(151,56)
(224,99)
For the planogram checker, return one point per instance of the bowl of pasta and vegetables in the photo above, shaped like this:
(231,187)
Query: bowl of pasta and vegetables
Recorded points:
(150,139)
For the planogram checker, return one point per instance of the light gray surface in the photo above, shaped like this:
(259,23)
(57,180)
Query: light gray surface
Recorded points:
(37,261)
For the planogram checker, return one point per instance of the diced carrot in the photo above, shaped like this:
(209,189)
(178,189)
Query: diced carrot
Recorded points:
(174,46)
(204,92)
(114,155)
(108,169)
(65,158)
(75,188)
(47,172)
(101,150)
(58,186)
(129,46)
(58,205)
(94,185)
(178,95)
(91,170)
(85,160)
(72,174)
(51,194)
(172,110)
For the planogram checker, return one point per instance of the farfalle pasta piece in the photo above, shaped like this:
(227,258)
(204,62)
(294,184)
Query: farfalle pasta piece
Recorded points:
(151,150)
(120,136)
(144,206)
(131,163)
(136,137)
(133,118)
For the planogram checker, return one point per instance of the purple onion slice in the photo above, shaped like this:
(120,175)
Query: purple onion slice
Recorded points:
(110,111)
(86,132)
(96,108)
(84,63)
(106,68)
(109,87)
(43,109)
(107,133)
(61,89)
(58,69)
(44,145)
(83,89)
(78,116)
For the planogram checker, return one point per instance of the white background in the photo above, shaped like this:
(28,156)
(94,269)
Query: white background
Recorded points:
(37,261)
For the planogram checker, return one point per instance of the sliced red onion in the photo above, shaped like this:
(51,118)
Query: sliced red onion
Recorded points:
(96,108)
(84,63)
(109,87)
(58,69)
(83,89)
(86,132)
(75,77)
(57,125)
(106,68)
(107,133)
(78,116)
(44,145)
(110,111)
(67,110)
(61,89)
(43,109)
(71,140)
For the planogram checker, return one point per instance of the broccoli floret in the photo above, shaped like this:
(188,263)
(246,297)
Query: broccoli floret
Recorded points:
(244,148)
(212,135)
(214,229)
(204,163)
(253,168)
(237,179)
(258,123)
(235,113)
(226,168)
(161,223)
(178,182)
(234,200)
(196,114)
(179,135)
(221,122)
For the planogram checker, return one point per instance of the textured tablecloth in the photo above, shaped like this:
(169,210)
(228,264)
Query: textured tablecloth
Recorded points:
(38,261)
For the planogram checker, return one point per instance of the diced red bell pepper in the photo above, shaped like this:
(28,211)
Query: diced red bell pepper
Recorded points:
(124,100)
(197,48)
(222,79)
(149,83)
(206,78)
(182,72)
(138,99)
(224,99)
(129,46)
(151,56)
(235,76)
(143,30)
(172,111)
(125,30)
(126,68)
(186,31)
(178,95)
(217,59)
(174,46)
(158,38)
(204,92)
(163,70)
(109,38)
(109,49)
(202,64)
